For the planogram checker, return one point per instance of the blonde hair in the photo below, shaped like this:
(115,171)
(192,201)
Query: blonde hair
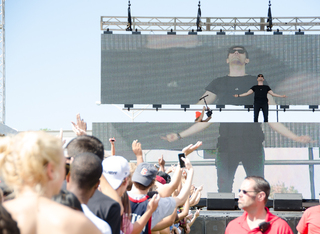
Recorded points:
(24,157)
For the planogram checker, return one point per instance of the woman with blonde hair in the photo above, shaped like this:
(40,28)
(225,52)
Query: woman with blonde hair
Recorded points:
(33,164)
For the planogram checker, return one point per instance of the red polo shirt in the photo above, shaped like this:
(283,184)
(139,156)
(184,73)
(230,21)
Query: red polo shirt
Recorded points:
(310,221)
(240,225)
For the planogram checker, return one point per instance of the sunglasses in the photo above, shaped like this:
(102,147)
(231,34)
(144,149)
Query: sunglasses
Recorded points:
(245,191)
(260,76)
(239,51)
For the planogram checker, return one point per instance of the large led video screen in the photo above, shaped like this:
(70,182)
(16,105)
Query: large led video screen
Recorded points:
(287,154)
(179,69)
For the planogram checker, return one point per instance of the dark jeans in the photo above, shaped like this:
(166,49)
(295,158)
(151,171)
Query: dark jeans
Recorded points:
(256,109)
(227,164)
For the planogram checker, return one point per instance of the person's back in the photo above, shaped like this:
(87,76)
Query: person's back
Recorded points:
(33,164)
(41,215)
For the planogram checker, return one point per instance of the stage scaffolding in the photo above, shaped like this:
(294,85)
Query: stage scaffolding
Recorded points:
(213,24)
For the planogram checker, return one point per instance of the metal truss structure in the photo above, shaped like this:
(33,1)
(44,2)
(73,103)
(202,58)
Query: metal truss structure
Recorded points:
(2,64)
(226,24)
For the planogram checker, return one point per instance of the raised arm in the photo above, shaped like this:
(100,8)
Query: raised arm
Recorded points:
(161,163)
(80,128)
(195,216)
(137,150)
(167,189)
(113,149)
(141,223)
(244,94)
(185,191)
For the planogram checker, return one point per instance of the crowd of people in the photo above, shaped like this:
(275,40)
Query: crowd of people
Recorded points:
(81,190)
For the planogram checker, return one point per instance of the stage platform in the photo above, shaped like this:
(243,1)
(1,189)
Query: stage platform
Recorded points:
(215,221)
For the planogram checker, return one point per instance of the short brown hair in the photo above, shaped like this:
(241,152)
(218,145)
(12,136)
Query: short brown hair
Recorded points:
(260,185)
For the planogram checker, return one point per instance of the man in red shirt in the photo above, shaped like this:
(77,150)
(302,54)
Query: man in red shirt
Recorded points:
(310,221)
(256,218)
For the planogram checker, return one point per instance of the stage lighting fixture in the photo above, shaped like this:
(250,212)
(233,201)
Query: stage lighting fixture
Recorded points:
(107,31)
(157,106)
(221,33)
(220,107)
(220,201)
(287,202)
(277,32)
(171,32)
(185,107)
(313,107)
(192,32)
(128,106)
(284,107)
(136,32)
(249,32)
(248,107)
(299,32)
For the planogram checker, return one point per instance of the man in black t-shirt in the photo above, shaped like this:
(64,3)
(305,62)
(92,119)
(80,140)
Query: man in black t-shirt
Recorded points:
(238,142)
(260,98)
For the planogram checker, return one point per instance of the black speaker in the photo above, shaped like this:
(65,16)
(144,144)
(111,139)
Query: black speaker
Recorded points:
(216,225)
(220,201)
(198,226)
(287,201)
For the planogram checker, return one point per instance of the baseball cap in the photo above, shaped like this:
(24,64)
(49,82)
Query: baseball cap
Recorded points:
(144,174)
(160,179)
(165,176)
(115,170)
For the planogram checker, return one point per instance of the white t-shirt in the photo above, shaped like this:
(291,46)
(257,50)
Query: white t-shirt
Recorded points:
(102,225)
(165,207)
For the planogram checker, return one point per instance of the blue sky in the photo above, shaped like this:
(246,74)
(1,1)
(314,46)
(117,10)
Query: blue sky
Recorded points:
(53,54)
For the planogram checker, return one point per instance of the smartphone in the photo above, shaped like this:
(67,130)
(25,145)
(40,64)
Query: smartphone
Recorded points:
(181,162)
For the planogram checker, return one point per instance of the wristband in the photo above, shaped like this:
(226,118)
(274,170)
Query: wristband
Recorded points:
(179,137)
(238,95)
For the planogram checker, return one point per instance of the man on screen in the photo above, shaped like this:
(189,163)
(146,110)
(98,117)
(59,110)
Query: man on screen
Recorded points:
(238,142)
(260,98)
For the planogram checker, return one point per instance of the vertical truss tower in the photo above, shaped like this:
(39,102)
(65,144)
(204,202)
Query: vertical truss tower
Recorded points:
(2,64)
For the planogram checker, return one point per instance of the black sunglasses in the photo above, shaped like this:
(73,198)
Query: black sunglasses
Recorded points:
(260,76)
(241,51)
(245,191)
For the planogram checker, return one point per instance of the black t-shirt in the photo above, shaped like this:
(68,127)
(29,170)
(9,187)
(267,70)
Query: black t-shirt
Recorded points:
(107,209)
(227,86)
(260,93)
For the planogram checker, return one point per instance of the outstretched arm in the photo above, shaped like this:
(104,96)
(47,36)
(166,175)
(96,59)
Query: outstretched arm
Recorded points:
(195,128)
(284,131)
(276,95)
(244,94)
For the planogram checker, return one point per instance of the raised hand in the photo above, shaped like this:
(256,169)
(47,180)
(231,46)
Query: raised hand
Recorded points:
(190,148)
(80,128)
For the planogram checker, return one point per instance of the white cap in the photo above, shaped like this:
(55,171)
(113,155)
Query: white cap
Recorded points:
(115,170)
